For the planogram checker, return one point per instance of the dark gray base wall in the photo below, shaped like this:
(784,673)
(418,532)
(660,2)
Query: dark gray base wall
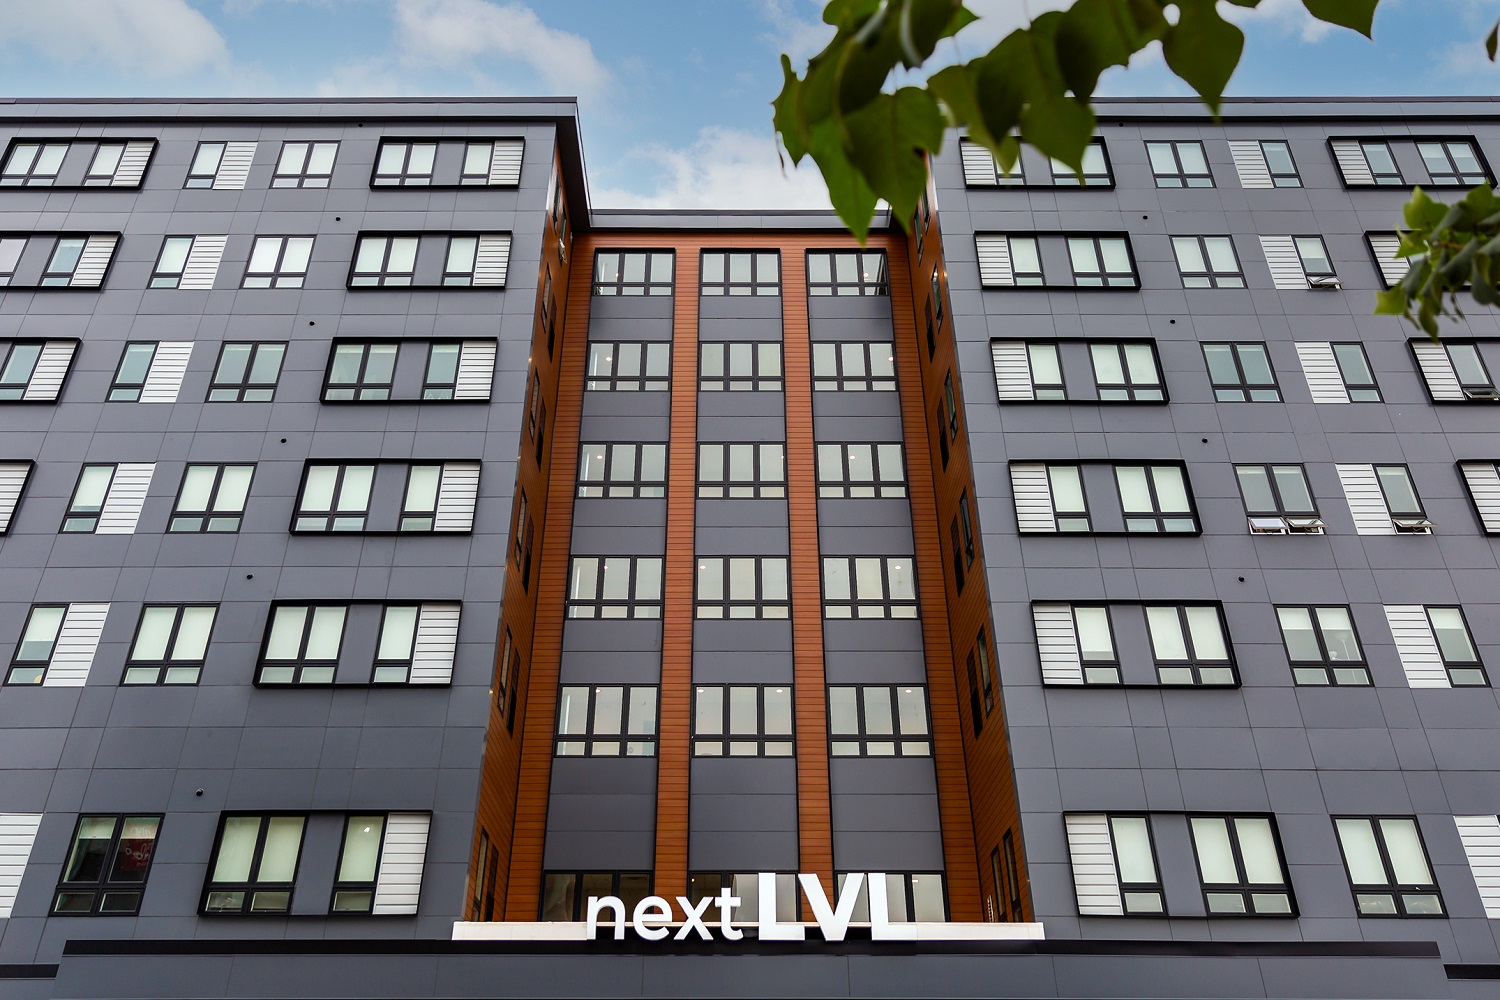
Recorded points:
(373,968)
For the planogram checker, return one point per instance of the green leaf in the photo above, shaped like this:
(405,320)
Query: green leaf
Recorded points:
(1492,41)
(846,13)
(1061,128)
(1421,212)
(887,139)
(1392,302)
(1203,49)
(1356,14)
(851,195)
(787,114)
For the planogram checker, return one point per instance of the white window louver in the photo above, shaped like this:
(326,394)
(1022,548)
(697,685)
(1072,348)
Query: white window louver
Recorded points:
(1284,262)
(457,490)
(979,165)
(17,834)
(436,644)
(398,888)
(1012,370)
(132,166)
(168,366)
(1384,247)
(73,654)
(1250,164)
(1033,495)
(1352,162)
(505,161)
(126,497)
(202,265)
(1437,371)
(1324,380)
(1421,660)
(995,270)
(94,261)
(234,167)
(1480,836)
(1483,480)
(1366,502)
(476,370)
(1057,643)
(51,368)
(13,476)
(1095,880)
(492,259)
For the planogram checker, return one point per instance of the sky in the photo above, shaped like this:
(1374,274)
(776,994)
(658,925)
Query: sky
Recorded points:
(674,95)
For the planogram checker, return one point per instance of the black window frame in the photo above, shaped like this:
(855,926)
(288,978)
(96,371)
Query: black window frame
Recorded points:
(1277,177)
(360,390)
(303,520)
(651,283)
(301,663)
(302,177)
(1454,176)
(210,513)
(1107,280)
(278,277)
(642,382)
(1420,512)
(31,177)
(1316,278)
(966,529)
(730,743)
(1127,889)
(861,284)
(727,285)
(1161,519)
(1326,670)
(406,177)
(60,271)
(40,666)
(758,487)
(732,351)
(730,607)
(1396,892)
(507,677)
(1244,388)
(205,181)
(578,895)
(356,889)
(632,485)
(1210,276)
(888,606)
(130,391)
(443,390)
(636,607)
(1243,888)
(1358,392)
(1473,673)
(244,387)
(170,279)
(1181,175)
(384,276)
(597,744)
(101,889)
(14,391)
(1064,176)
(252,887)
(1195,664)
(73,513)
(1310,522)
(857,742)
(842,381)
(1129,391)
(166,665)
(1381,178)
(845,486)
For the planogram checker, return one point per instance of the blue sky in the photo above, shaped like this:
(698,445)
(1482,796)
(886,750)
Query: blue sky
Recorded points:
(674,94)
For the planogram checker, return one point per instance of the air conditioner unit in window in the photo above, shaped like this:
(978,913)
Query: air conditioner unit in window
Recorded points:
(1323,281)
(1267,526)
(1306,525)
(1488,392)
(1412,525)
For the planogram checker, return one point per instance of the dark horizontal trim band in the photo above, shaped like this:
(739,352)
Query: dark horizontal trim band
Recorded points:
(1472,971)
(28,972)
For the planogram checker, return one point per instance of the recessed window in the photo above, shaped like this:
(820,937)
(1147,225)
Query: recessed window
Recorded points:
(739,367)
(1355,372)
(1277,499)
(742,720)
(1094,171)
(860,366)
(507,671)
(1321,645)
(254,868)
(629,367)
(416,643)
(34,370)
(1279,162)
(1179,164)
(247,373)
(1456,646)
(130,377)
(632,272)
(278,262)
(1381,164)
(740,272)
(405,164)
(614,587)
(335,497)
(1387,866)
(38,642)
(1123,372)
(861,470)
(442,373)
(302,644)
(1189,645)
(878,721)
(622,470)
(1101,261)
(359,864)
(742,471)
(1114,865)
(1314,256)
(105,874)
(1452,161)
(1208,262)
(75,261)
(385,261)
(33,164)
(847,272)
(1400,493)
(1155,499)
(89,497)
(742,587)
(170,644)
(1094,642)
(565,894)
(868,587)
(1240,866)
(212,498)
(223,165)
(1241,373)
(188,262)
(361,372)
(305,165)
(606,721)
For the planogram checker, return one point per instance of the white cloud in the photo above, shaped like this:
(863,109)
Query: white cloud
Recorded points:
(791,32)
(1287,17)
(457,34)
(722,168)
(154,38)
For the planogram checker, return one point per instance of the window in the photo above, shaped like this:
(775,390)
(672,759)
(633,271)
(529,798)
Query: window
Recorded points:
(878,721)
(11,249)
(13,477)
(1123,372)
(77,163)
(38,642)
(987,679)
(520,522)
(630,367)
(1155,499)
(860,366)
(358,865)
(981,169)
(741,272)
(565,894)
(1387,866)
(34,370)
(1094,169)
(254,868)
(446,368)
(1321,645)
(305,165)
(1265,164)
(1208,262)
(1456,646)
(745,886)
(742,470)
(1091,642)
(1240,866)
(507,676)
(105,874)
(861,471)
(221,165)
(33,164)
(212,498)
(170,644)
(1277,499)
(622,470)
(1241,373)
(72,261)
(1454,371)
(188,262)
(334,497)
(89,497)
(742,720)
(1179,164)
(606,721)
(1379,165)
(1012,876)
(42,658)
(1114,866)
(1006,261)
(633,272)
(1314,257)
(868,587)
(1401,498)
(278,262)
(909,896)
(360,372)
(302,644)
(384,261)
(1100,261)
(405,164)
(922,221)
(614,587)
(1189,646)
(247,373)
(130,377)
(742,587)
(1453,161)
(1354,371)
(937,295)
(966,528)
(950,407)
(1481,478)
(739,367)
(847,272)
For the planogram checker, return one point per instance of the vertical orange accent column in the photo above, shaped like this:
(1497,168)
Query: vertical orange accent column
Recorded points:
(674,739)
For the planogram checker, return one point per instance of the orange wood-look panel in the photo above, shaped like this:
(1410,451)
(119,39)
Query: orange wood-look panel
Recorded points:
(991,793)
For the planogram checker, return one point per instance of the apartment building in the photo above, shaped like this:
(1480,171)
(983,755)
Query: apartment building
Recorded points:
(412,575)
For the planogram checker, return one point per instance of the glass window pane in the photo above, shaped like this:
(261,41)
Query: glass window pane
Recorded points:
(422,487)
(1025,258)
(648,579)
(1256,364)
(1189,253)
(1162,161)
(778,711)
(398,630)
(1191,155)
(361,849)
(1207,632)
(1221,367)
(927,898)
(461,251)
(1314,256)
(1296,498)
(1221,254)
(1116,257)
(1171,489)
(1142,364)
(236,849)
(192,633)
(354,493)
(286,633)
(1255,487)
(137,844)
(174,254)
(609,707)
(1132,842)
(1107,367)
(1135,495)
(86,862)
(843,713)
(1361,853)
(642,711)
(743,711)
(135,363)
(1084,256)
(709,711)
(1466,364)
(1452,637)
(877,704)
(616,579)
(298,251)
(278,861)
(1094,642)
(912,709)
(1408,860)
(572,711)
(741,579)
(327,633)
(773,579)
(1215,856)
(1167,642)
(836,579)
(154,632)
(1278,157)
(1297,630)
(1338,633)
(1258,849)
(1067,489)
(1400,495)
(903,580)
